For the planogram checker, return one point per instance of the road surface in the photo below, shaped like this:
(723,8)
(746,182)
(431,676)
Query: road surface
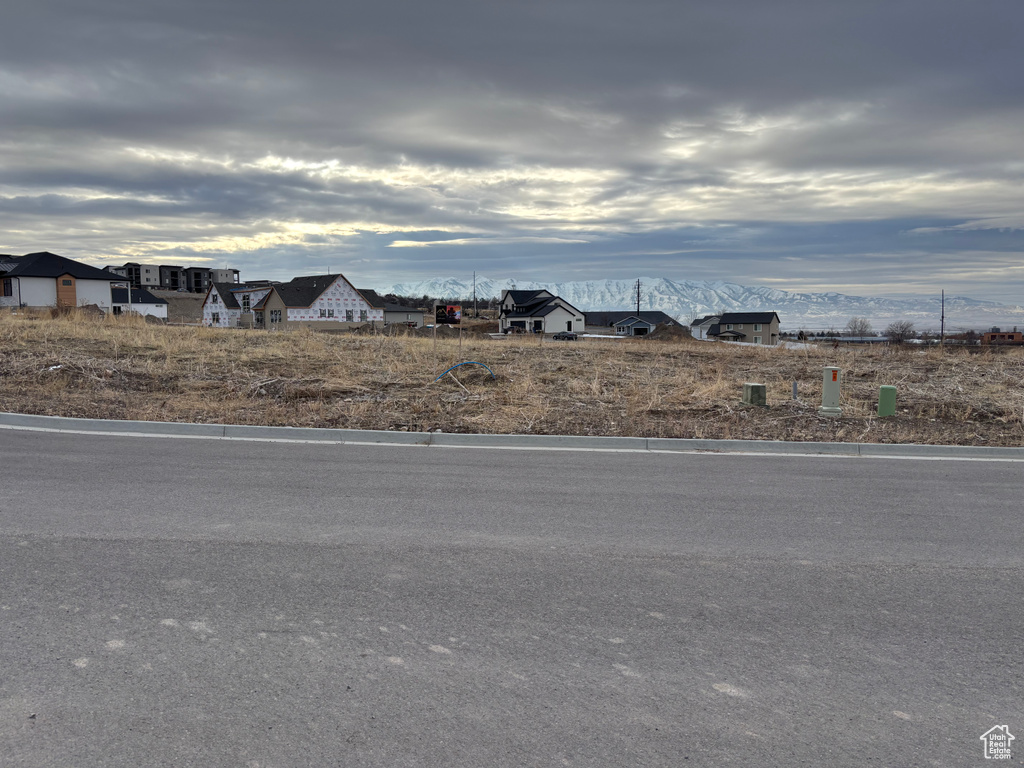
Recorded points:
(187,602)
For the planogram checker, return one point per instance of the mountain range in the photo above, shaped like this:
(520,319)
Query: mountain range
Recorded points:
(686,299)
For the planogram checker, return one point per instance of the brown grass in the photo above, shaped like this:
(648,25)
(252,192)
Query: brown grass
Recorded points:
(123,368)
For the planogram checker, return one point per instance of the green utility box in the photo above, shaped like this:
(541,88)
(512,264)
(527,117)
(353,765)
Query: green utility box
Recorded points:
(887,401)
(755,394)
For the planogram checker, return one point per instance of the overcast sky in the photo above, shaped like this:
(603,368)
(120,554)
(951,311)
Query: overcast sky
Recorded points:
(867,147)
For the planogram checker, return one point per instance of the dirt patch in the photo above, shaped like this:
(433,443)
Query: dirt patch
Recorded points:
(80,365)
(182,307)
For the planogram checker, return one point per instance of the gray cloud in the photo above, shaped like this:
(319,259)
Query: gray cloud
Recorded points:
(277,136)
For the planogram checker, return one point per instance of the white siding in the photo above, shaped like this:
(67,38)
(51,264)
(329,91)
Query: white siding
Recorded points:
(42,292)
(36,291)
(91,292)
(154,310)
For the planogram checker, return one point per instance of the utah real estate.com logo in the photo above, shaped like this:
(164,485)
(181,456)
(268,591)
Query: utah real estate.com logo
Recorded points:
(997,742)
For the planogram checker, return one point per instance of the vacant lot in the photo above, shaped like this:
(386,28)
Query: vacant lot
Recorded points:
(127,369)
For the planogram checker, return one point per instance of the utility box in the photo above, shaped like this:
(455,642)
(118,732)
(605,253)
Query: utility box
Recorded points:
(887,401)
(755,394)
(830,381)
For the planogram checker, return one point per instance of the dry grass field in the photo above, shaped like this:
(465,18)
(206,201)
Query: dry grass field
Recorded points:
(124,368)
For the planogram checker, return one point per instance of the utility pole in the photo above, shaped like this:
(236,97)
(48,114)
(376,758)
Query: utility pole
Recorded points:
(638,298)
(476,310)
(942,322)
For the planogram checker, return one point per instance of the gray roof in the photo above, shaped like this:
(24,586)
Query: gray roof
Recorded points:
(545,305)
(716,330)
(632,320)
(46,264)
(224,291)
(540,309)
(615,317)
(705,319)
(747,317)
(524,297)
(371,297)
(400,308)
(303,291)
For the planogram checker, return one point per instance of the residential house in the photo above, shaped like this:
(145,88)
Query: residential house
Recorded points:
(142,303)
(648,319)
(44,280)
(634,326)
(396,314)
(538,312)
(230,305)
(700,326)
(318,301)
(749,327)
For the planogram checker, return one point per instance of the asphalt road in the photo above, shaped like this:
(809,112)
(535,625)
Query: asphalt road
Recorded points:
(184,602)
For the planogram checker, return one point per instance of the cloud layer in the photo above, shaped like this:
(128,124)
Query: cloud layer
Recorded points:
(860,147)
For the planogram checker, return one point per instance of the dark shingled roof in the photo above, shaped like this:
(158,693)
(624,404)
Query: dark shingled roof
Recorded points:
(303,291)
(747,317)
(716,330)
(371,297)
(524,297)
(46,264)
(612,318)
(702,320)
(540,309)
(400,308)
(226,296)
(633,320)
(139,296)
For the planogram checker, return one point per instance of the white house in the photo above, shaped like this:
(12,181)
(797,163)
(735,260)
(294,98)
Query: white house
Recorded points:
(142,303)
(700,326)
(45,280)
(538,312)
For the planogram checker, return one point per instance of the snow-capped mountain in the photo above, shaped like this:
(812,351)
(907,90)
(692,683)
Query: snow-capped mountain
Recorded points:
(687,299)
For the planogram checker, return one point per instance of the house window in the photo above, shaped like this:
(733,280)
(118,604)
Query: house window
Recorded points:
(362,316)
(728,327)
(757,339)
(215,317)
(323,313)
(330,313)
(757,326)
(65,282)
(8,288)
(245,302)
(275,315)
(214,298)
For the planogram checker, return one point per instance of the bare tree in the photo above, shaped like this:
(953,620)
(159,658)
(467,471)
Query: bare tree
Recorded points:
(859,327)
(899,331)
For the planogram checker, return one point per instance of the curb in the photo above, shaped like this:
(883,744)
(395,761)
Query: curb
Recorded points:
(527,442)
